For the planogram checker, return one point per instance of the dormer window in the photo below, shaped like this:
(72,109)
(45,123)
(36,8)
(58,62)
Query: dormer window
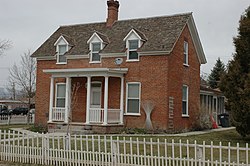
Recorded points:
(96,43)
(132,49)
(61,51)
(134,41)
(95,56)
(62,46)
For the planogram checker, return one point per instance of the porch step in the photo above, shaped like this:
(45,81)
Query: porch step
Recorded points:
(73,129)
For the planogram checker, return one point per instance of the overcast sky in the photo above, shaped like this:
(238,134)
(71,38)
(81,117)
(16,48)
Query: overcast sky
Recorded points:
(28,23)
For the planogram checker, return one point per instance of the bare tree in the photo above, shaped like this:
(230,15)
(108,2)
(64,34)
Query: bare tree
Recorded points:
(23,76)
(4,45)
(74,99)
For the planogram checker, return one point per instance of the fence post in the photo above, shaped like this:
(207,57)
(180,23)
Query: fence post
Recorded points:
(113,152)
(8,119)
(43,150)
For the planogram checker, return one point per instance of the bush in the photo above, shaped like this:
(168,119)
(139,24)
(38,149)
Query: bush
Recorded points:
(39,128)
(203,120)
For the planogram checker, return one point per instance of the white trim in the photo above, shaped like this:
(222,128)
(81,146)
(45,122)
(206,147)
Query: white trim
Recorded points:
(51,100)
(106,90)
(122,100)
(88,99)
(58,55)
(187,113)
(46,58)
(60,83)
(92,36)
(126,112)
(195,38)
(134,50)
(67,99)
(130,32)
(84,72)
(113,55)
(133,60)
(107,55)
(91,52)
(149,53)
(77,56)
(61,38)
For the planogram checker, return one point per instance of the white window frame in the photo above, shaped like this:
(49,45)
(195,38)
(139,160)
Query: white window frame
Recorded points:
(91,52)
(61,83)
(128,50)
(58,55)
(127,98)
(185,53)
(186,114)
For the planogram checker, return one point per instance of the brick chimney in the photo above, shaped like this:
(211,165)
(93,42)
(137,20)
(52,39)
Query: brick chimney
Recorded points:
(112,12)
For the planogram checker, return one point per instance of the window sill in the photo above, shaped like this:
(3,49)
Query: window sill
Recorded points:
(186,65)
(132,114)
(61,63)
(132,60)
(95,62)
(185,116)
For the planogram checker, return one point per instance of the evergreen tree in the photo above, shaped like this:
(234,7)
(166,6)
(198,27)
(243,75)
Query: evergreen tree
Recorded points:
(216,73)
(236,83)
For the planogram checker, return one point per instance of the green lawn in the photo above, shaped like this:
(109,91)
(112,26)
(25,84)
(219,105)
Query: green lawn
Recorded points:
(219,136)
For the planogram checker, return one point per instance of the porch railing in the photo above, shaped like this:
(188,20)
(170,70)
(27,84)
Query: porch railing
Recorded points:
(58,114)
(96,115)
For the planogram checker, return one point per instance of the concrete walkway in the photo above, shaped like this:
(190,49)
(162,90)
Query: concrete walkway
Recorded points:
(177,135)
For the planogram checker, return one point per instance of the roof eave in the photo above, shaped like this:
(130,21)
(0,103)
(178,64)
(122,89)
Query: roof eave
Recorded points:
(197,42)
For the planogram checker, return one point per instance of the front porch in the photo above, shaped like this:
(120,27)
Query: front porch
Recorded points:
(96,115)
(97,104)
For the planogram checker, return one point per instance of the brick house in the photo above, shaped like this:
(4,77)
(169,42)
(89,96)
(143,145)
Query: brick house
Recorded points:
(100,74)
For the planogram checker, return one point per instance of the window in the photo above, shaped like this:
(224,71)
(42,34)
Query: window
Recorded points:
(60,94)
(132,49)
(61,51)
(185,100)
(185,53)
(95,56)
(133,98)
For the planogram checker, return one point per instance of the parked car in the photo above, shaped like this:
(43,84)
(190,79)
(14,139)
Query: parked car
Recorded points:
(19,111)
(4,110)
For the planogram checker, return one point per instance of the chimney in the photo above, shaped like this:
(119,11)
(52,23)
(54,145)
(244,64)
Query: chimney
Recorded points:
(112,12)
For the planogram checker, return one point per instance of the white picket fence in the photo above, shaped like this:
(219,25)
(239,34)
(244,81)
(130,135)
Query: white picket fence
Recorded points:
(99,150)
(16,119)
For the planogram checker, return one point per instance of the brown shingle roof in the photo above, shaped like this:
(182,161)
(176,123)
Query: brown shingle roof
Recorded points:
(161,34)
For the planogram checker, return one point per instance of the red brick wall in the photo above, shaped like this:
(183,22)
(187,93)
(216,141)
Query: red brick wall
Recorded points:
(179,75)
(160,77)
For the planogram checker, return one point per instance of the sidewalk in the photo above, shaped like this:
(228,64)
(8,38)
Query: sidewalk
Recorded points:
(177,135)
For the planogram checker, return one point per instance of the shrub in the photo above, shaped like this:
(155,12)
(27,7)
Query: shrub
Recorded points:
(40,128)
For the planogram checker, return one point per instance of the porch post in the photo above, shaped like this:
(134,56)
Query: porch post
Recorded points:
(88,99)
(51,98)
(67,99)
(121,100)
(105,116)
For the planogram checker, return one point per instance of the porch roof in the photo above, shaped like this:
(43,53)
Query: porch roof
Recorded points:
(84,72)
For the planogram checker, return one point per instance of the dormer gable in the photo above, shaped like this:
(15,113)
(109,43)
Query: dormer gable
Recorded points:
(61,41)
(134,40)
(62,46)
(96,43)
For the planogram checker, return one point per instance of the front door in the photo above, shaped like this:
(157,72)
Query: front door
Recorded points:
(96,90)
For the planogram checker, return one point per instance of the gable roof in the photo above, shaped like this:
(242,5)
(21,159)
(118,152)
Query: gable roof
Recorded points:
(161,34)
